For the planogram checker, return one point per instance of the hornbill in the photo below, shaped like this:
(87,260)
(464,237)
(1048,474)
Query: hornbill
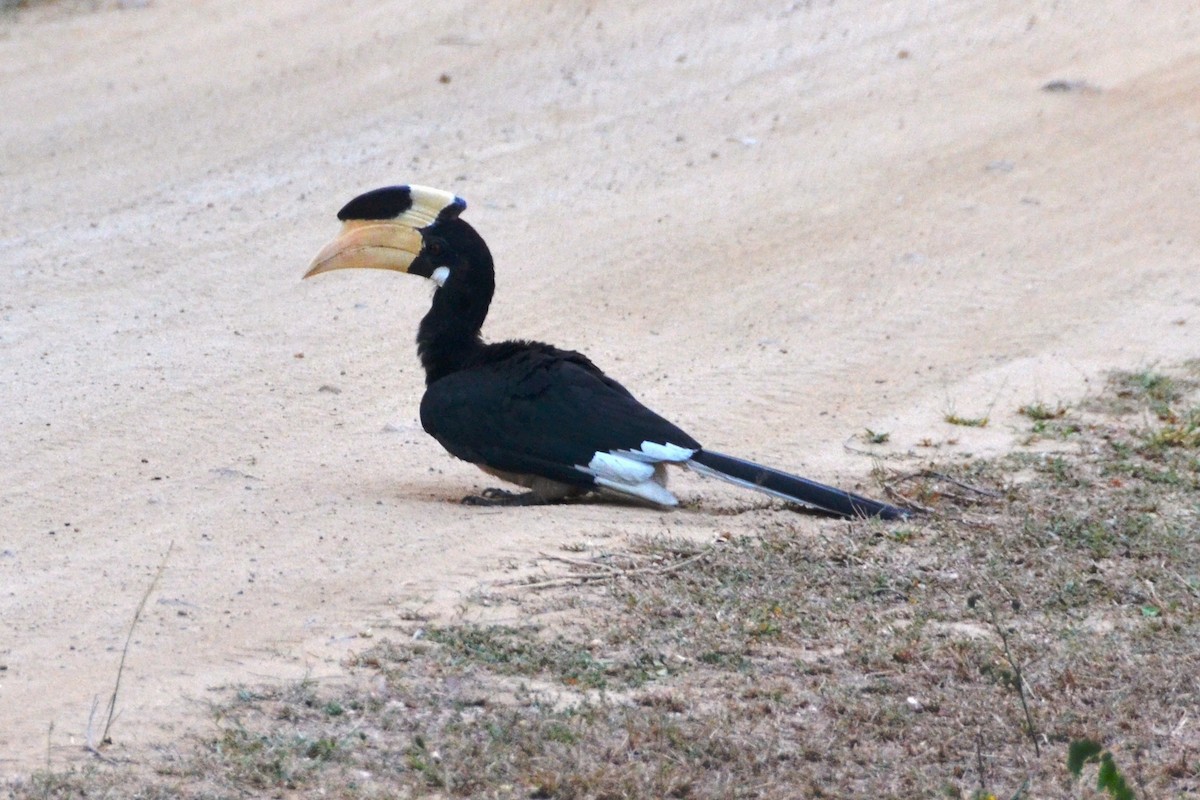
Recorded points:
(527,412)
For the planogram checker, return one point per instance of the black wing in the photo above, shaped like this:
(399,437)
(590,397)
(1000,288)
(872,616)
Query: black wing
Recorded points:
(533,409)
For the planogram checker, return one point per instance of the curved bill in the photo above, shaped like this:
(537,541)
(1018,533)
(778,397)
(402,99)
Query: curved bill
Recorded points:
(372,244)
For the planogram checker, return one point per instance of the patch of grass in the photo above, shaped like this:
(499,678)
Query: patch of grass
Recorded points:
(266,760)
(1146,390)
(876,437)
(1040,412)
(1147,386)
(966,422)
(1049,421)
(1051,598)
(513,651)
(1181,430)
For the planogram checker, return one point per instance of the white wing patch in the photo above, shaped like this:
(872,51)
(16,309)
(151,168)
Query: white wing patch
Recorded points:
(637,472)
(653,453)
(617,467)
(440,275)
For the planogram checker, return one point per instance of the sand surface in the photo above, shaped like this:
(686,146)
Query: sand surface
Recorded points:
(779,223)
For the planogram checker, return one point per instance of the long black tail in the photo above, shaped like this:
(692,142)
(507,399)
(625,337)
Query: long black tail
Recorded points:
(792,488)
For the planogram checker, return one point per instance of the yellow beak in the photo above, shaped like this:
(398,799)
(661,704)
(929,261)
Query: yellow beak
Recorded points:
(374,244)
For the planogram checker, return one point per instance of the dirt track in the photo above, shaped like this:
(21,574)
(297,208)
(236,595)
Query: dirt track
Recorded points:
(779,227)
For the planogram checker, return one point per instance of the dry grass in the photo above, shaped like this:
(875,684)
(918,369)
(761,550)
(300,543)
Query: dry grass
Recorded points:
(1054,596)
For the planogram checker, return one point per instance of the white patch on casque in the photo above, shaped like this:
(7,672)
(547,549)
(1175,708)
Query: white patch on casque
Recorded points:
(628,475)
(440,275)
(427,204)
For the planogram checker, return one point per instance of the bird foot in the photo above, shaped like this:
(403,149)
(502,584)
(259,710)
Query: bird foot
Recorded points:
(501,497)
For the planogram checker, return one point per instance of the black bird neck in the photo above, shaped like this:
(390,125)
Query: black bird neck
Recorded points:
(448,338)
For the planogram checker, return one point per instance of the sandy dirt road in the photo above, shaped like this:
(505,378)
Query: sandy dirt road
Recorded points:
(779,223)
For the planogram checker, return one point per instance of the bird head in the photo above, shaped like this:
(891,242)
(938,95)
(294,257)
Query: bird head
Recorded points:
(411,229)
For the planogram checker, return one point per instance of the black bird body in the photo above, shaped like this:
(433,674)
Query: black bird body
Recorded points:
(527,412)
(531,409)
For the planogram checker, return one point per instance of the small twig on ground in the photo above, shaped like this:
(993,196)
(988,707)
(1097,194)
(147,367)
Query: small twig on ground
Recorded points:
(98,755)
(961,499)
(905,500)
(977,494)
(1192,590)
(979,763)
(1018,679)
(112,701)
(941,476)
(610,572)
(578,562)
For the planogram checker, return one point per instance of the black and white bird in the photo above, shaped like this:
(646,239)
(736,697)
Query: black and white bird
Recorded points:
(526,412)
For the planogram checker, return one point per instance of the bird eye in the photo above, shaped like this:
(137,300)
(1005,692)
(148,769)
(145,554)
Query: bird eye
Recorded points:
(435,248)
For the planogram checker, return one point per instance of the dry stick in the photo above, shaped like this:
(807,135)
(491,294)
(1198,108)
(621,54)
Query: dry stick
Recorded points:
(578,562)
(979,762)
(961,484)
(903,499)
(906,500)
(90,745)
(941,476)
(1191,589)
(112,702)
(1012,662)
(961,499)
(571,580)
(612,572)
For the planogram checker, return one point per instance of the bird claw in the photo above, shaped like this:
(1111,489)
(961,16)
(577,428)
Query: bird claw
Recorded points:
(502,497)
